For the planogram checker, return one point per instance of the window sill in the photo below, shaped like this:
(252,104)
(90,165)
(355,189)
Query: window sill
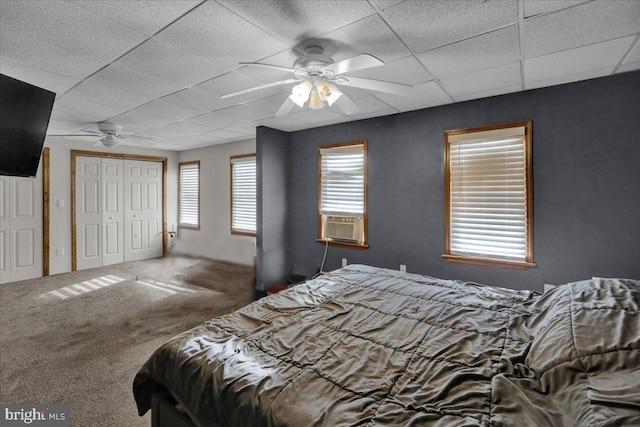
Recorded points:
(189,227)
(243,233)
(343,244)
(489,262)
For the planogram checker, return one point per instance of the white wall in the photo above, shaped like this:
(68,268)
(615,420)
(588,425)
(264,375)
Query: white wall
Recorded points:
(213,240)
(60,192)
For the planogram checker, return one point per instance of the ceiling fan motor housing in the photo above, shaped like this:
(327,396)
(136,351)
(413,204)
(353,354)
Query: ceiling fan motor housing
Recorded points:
(313,60)
(110,128)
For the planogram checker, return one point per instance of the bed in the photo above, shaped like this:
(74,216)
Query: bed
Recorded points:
(366,346)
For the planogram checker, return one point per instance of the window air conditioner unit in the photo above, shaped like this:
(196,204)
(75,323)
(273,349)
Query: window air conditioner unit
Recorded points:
(344,228)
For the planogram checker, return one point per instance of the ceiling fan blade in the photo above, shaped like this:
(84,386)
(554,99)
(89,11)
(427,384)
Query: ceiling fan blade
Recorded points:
(347,105)
(285,108)
(377,85)
(91,133)
(358,62)
(275,67)
(241,92)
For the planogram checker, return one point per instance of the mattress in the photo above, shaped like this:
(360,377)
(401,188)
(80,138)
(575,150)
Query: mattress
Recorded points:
(375,347)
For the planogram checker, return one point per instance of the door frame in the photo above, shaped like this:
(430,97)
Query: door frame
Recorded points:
(75,153)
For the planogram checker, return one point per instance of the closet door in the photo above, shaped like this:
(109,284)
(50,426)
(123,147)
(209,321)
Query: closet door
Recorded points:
(20,228)
(143,209)
(112,211)
(88,187)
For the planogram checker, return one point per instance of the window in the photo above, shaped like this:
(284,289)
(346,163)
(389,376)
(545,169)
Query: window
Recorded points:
(488,196)
(342,194)
(243,194)
(189,195)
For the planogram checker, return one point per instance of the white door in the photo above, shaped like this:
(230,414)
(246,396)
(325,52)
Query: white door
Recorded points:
(143,209)
(88,183)
(20,228)
(112,211)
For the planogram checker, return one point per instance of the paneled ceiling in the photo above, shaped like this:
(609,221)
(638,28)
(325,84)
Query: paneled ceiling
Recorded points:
(158,68)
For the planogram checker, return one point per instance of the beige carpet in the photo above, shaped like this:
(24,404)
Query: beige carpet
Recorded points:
(79,338)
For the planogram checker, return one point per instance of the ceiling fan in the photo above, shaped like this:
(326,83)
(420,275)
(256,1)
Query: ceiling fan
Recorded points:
(111,135)
(317,76)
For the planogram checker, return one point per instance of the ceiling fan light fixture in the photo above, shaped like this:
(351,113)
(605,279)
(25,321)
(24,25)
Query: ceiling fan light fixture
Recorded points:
(315,100)
(328,92)
(300,93)
(109,140)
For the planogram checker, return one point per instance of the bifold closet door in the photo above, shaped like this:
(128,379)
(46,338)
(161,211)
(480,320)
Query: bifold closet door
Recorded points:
(99,212)
(20,228)
(143,209)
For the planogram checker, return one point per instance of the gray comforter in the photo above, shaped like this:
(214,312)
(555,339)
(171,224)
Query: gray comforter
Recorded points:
(371,347)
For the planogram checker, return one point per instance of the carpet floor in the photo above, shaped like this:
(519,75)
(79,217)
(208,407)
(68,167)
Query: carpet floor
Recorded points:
(79,338)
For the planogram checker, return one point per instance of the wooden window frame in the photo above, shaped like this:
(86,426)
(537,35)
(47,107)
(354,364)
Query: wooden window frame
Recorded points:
(188,226)
(487,261)
(321,239)
(232,230)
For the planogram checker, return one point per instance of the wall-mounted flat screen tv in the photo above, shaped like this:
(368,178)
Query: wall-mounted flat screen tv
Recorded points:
(24,116)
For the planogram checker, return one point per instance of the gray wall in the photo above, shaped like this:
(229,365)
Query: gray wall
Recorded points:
(272,238)
(586,155)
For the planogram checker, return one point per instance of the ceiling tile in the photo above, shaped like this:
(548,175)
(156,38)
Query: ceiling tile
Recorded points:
(167,63)
(538,7)
(580,25)
(295,22)
(133,81)
(34,53)
(163,134)
(148,17)
(162,108)
(43,79)
(385,4)
(425,25)
(214,120)
(65,25)
(424,95)
(369,105)
(284,123)
(488,93)
(71,104)
(197,99)
(629,67)
(582,59)
(187,127)
(317,116)
(569,78)
(484,80)
(225,135)
(244,112)
(234,82)
(89,91)
(478,53)
(380,113)
(220,36)
(634,55)
(406,70)
(270,103)
(370,35)
(133,121)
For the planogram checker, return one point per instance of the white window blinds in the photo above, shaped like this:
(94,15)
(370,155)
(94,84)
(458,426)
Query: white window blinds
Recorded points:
(189,194)
(488,194)
(243,194)
(342,189)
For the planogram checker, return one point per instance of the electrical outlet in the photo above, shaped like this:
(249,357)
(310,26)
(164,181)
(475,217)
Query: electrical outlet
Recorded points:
(403,268)
(60,252)
(344,262)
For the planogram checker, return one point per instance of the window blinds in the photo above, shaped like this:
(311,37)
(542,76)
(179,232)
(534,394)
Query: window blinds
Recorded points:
(342,180)
(189,194)
(243,194)
(488,195)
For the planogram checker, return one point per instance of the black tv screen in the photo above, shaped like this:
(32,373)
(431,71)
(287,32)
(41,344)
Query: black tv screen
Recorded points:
(24,116)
